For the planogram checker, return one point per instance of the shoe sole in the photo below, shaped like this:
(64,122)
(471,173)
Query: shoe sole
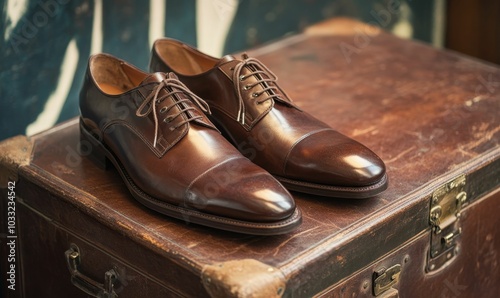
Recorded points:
(362,192)
(101,155)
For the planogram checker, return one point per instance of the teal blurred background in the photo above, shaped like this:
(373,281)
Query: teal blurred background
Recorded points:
(46,43)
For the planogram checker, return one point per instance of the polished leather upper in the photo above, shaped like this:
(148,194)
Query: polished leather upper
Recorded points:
(275,133)
(190,164)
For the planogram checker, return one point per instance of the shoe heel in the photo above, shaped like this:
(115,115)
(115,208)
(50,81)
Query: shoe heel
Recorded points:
(92,148)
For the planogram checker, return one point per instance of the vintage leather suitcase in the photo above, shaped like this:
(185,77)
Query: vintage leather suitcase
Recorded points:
(433,116)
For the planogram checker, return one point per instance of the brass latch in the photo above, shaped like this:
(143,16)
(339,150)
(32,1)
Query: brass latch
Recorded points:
(384,279)
(446,203)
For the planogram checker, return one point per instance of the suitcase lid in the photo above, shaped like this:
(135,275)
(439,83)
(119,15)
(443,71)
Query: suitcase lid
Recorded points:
(431,115)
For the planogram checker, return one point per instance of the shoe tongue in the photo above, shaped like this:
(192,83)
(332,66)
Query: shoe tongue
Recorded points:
(226,59)
(154,78)
(172,75)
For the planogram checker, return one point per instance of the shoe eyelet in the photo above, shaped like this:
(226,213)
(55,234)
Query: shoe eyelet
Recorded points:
(242,78)
(255,95)
(231,69)
(168,119)
(163,110)
(246,87)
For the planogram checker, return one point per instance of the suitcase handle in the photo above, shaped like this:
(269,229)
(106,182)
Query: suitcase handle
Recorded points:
(85,283)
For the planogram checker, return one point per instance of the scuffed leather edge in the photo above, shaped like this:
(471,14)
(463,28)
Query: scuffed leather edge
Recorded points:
(15,152)
(243,278)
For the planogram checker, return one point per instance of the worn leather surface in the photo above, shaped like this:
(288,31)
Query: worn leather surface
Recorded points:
(243,278)
(473,272)
(428,114)
(16,152)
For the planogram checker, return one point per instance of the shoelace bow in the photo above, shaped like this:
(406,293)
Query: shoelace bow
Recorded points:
(269,84)
(177,87)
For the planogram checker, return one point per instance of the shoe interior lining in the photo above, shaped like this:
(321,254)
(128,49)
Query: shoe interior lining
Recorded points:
(113,76)
(183,59)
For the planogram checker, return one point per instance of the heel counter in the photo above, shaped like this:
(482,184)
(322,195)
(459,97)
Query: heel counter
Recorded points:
(155,62)
(86,84)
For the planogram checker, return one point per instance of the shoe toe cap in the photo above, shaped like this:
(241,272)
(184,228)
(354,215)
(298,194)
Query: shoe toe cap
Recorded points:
(242,191)
(331,158)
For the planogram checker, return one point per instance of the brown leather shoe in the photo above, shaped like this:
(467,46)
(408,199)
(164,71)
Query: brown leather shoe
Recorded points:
(258,117)
(171,157)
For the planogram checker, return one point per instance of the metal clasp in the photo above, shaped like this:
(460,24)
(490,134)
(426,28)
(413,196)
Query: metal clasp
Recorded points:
(445,207)
(384,279)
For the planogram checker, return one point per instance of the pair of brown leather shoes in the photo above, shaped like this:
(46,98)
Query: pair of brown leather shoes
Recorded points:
(162,132)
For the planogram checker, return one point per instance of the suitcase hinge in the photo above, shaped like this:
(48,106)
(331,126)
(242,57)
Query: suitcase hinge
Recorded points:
(446,203)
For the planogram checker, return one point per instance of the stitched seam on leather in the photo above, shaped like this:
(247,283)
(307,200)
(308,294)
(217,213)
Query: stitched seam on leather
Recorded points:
(338,188)
(297,142)
(183,134)
(247,126)
(222,110)
(209,170)
(157,152)
(222,70)
(132,128)
(250,126)
(160,142)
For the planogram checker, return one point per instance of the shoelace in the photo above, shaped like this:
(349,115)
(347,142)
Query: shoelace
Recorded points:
(269,83)
(177,87)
